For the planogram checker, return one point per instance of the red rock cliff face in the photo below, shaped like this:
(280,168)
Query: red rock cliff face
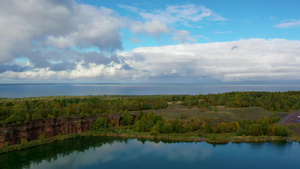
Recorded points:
(12,134)
(50,127)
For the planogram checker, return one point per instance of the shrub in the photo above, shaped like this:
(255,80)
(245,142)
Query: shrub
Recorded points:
(182,116)
(281,130)
(154,133)
(42,137)
(275,119)
(240,132)
(255,130)
(100,123)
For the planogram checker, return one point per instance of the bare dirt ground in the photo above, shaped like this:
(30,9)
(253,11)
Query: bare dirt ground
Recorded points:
(293,118)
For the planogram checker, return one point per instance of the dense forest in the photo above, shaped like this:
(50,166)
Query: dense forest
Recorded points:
(18,111)
(155,124)
(27,109)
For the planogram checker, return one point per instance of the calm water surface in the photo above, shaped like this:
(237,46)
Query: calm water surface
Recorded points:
(104,152)
(36,90)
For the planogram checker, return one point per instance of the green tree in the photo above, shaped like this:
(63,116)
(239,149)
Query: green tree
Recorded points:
(208,128)
(255,130)
(137,126)
(271,130)
(275,119)
(167,128)
(155,130)
(126,119)
(100,124)
(240,132)
(281,130)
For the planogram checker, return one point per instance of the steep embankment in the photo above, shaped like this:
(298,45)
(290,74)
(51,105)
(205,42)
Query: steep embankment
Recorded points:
(13,134)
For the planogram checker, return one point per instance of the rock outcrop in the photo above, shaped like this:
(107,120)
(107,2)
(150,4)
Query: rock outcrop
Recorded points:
(29,131)
(13,134)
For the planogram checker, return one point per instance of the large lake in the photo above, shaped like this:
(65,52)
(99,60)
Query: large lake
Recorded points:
(106,152)
(36,90)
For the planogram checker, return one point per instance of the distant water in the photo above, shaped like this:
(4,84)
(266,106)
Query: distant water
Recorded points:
(36,90)
(110,153)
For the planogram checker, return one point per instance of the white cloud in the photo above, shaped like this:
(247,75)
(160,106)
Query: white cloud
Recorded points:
(40,24)
(94,27)
(153,28)
(288,23)
(92,70)
(175,13)
(41,32)
(183,14)
(183,36)
(253,59)
(165,21)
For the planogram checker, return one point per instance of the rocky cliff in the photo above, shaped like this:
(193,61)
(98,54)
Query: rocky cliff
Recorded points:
(13,134)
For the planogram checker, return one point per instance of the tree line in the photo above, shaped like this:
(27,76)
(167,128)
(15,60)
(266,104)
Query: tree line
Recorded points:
(19,110)
(155,124)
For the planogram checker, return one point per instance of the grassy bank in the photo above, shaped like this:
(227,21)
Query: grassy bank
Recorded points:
(193,137)
(189,137)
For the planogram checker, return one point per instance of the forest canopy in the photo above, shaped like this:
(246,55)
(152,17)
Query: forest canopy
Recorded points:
(28,109)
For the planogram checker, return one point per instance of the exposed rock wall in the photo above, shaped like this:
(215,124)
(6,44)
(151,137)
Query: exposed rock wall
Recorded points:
(13,134)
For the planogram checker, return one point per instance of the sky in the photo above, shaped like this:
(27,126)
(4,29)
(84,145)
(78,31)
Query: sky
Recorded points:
(137,41)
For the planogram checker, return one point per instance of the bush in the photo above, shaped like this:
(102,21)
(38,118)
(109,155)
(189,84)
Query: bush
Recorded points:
(100,123)
(255,130)
(154,133)
(271,131)
(126,119)
(208,129)
(240,132)
(275,119)
(24,141)
(182,116)
(281,130)
(42,137)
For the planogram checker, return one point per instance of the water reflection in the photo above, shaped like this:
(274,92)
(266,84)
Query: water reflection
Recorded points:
(107,152)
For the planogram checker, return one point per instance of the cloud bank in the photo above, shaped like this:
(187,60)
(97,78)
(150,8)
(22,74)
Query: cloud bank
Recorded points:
(251,60)
(41,32)
(63,40)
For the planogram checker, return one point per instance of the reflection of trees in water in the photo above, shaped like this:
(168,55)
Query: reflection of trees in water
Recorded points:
(51,152)
(165,141)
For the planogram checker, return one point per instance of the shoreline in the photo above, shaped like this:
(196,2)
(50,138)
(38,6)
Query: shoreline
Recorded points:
(214,139)
(182,137)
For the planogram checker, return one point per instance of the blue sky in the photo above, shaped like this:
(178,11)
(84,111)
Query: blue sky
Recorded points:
(209,41)
(243,19)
